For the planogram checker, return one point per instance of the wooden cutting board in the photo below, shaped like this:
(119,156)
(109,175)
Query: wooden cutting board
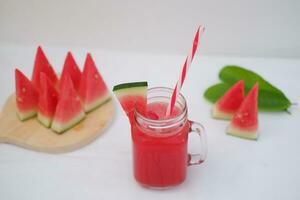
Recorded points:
(32,135)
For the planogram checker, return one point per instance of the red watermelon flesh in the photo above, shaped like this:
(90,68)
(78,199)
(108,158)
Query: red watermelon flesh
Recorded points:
(132,96)
(69,110)
(229,103)
(129,103)
(92,91)
(71,67)
(47,101)
(26,96)
(41,64)
(245,121)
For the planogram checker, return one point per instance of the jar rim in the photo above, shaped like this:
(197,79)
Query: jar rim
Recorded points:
(179,118)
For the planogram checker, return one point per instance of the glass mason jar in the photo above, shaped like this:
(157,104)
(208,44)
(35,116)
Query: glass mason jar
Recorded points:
(160,156)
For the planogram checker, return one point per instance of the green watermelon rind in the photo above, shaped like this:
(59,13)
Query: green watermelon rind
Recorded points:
(219,114)
(62,127)
(131,89)
(140,91)
(45,121)
(245,134)
(126,86)
(23,116)
(97,103)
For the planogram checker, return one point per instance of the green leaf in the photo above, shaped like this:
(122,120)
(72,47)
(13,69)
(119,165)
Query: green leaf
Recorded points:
(231,74)
(267,100)
(216,91)
(272,101)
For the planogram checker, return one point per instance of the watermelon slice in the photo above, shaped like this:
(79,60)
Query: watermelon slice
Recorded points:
(92,91)
(132,96)
(69,110)
(26,96)
(244,123)
(41,64)
(47,101)
(71,67)
(229,103)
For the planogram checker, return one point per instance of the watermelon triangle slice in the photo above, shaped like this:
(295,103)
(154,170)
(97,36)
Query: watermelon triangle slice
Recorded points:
(229,103)
(244,123)
(41,64)
(71,67)
(69,110)
(92,91)
(132,96)
(47,101)
(26,96)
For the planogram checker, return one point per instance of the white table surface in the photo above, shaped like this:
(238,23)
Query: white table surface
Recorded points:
(234,169)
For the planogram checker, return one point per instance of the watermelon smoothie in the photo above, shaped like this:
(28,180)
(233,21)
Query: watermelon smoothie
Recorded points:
(160,143)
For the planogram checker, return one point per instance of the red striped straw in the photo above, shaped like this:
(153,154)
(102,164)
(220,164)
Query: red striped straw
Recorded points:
(185,67)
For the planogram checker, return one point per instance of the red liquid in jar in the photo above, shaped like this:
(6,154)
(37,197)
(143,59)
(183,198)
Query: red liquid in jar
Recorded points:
(160,159)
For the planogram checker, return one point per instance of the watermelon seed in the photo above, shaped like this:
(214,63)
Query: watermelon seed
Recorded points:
(20,99)
(96,76)
(23,89)
(238,116)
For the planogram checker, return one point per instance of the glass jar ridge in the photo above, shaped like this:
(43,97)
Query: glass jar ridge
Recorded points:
(163,126)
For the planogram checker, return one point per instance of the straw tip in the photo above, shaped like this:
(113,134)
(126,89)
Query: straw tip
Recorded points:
(201,28)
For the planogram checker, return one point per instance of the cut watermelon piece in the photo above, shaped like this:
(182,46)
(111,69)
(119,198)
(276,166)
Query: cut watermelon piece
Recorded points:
(92,91)
(47,101)
(26,96)
(132,96)
(41,64)
(244,123)
(71,67)
(229,103)
(69,110)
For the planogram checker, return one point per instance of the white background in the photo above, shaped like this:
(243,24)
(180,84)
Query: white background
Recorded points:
(247,28)
(148,40)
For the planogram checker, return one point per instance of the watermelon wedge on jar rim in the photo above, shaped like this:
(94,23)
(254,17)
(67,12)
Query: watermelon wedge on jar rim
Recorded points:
(132,96)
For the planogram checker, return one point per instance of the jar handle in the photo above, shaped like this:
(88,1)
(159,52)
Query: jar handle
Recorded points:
(196,159)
